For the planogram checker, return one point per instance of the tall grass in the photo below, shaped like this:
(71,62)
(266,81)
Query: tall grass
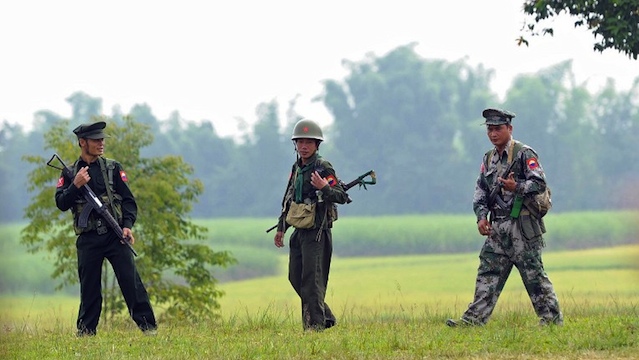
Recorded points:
(387,308)
(353,236)
(424,234)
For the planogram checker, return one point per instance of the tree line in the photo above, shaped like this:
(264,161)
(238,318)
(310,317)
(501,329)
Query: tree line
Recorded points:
(415,121)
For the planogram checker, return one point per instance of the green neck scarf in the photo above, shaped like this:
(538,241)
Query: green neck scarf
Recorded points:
(299,177)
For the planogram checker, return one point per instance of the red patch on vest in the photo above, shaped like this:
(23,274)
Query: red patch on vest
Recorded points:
(482,168)
(532,163)
(60,181)
(123,176)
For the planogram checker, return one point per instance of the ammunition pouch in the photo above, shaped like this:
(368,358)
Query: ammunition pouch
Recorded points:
(117,206)
(84,222)
(539,204)
(301,216)
(531,227)
(332,213)
(94,223)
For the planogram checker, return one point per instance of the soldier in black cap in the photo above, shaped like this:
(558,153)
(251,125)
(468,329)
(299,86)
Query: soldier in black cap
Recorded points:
(96,241)
(510,177)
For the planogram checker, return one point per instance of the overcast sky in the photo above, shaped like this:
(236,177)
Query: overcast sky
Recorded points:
(217,60)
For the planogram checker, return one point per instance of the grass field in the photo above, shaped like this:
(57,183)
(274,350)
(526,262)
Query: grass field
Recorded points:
(387,308)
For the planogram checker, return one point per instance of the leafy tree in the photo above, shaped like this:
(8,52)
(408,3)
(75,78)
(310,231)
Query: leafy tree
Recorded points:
(174,266)
(615,23)
(402,115)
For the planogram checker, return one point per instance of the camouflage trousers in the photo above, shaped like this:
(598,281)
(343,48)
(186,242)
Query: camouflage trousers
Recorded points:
(505,247)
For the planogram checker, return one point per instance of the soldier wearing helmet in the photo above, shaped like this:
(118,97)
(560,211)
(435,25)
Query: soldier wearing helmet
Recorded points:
(308,129)
(309,207)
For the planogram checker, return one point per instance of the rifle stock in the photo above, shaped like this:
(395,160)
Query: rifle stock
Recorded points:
(93,203)
(358,181)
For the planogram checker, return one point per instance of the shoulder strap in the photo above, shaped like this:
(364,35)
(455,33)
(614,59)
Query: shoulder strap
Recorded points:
(515,147)
(290,190)
(75,167)
(110,170)
(487,156)
(107,166)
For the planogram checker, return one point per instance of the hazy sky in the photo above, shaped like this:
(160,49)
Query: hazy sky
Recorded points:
(217,60)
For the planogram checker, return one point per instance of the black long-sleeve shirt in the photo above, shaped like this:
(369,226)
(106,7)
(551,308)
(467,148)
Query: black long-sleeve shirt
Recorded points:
(66,193)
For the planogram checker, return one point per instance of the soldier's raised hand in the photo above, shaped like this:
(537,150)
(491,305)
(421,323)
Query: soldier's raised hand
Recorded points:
(509,183)
(82,177)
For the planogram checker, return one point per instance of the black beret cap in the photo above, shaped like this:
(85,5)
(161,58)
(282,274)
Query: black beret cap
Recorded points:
(497,116)
(91,131)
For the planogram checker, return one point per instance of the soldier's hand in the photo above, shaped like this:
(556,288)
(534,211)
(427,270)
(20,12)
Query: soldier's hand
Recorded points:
(509,183)
(318,181)
(82,177)
(279,239)
(127,233)
(484,227)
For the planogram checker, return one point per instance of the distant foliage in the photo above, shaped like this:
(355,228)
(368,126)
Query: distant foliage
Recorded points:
(415,121)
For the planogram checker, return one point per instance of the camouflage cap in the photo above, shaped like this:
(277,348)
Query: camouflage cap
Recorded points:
(91,131)
(497,116)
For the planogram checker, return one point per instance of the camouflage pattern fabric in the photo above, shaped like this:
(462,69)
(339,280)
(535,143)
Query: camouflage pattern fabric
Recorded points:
(505,247)
(529,174)
(513,241)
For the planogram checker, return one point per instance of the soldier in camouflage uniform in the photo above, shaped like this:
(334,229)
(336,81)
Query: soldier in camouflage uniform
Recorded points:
(514,237)
(313,181)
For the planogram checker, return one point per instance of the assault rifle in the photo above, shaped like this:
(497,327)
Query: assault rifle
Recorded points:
(359,181)
(93,203)
(494,192)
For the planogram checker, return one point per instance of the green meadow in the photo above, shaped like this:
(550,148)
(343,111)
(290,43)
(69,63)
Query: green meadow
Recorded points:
(22,272)
(388,307)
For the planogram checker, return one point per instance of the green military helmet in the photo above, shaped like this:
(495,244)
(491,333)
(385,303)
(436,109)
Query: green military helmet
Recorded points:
(307,129)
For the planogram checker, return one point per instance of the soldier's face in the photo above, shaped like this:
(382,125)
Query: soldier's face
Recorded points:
(93,147)
(499,134)
(305,148)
